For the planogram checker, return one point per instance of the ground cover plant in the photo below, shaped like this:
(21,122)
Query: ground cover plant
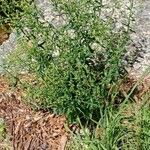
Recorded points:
(76,71)
(90,58)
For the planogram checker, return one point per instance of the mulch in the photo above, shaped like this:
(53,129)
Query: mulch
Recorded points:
(30,130)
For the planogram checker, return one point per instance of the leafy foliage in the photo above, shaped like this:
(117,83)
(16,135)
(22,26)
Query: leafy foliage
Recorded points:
(89,61)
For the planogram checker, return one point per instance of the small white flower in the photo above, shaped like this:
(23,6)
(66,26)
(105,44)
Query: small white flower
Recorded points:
(56,53)
(71,33)
(96,47)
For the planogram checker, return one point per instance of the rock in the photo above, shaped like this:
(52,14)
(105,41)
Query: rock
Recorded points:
(7,47)
(141,39)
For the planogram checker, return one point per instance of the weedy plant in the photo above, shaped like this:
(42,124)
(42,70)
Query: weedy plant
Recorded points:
(78,63)
(144,140)
(126,128)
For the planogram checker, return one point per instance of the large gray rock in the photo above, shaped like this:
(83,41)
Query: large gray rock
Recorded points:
(7,47)
(141,39)
(47,13)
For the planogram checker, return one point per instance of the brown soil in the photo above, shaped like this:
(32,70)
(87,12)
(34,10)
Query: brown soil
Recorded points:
(140,90)
(4,33)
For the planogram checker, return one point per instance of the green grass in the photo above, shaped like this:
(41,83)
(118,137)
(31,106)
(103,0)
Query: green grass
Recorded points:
(117,130)
(145,126)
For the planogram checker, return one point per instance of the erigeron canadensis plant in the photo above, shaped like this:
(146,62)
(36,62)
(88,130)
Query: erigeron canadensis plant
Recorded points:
(77,63)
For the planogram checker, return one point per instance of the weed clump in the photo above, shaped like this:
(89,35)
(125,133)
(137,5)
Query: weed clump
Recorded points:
(77,63)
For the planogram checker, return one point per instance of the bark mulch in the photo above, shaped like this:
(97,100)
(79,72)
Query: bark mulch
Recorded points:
(30,130)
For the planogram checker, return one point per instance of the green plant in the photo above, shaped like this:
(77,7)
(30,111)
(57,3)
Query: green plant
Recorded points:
(77,67)
(126,128)
(76,82)
(144,140)
(2,129)
(110,134)
(11,10)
